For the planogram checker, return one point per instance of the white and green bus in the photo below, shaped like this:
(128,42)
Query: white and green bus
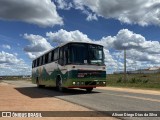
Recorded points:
(71,65)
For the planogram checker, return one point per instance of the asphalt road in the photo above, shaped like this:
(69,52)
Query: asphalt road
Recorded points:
(99,100)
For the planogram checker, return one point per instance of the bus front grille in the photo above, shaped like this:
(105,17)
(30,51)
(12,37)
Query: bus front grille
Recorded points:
(90,83)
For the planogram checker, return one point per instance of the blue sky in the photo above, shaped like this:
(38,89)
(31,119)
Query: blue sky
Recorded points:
(31,27)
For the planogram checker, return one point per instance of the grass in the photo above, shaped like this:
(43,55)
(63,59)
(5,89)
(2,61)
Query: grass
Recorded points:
(14,78)
(149,81)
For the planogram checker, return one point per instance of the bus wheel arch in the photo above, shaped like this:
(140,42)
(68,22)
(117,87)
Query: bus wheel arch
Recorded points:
(38,84)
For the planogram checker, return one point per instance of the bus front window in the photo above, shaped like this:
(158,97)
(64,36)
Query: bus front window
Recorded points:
(95,54)
(78,53)
(86,54)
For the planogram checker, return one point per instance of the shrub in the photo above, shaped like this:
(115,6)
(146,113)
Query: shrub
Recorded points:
(133,80)
(119,80)
(144,75)
(145,81)
(139,80)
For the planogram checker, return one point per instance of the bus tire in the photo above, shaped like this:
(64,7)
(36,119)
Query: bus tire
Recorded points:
(59,83)
(89,90)
(38,84)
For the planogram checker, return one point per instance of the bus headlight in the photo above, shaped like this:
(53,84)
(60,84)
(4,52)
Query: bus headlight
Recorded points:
(104,82)
(77,83)
(82,83)
(74,83)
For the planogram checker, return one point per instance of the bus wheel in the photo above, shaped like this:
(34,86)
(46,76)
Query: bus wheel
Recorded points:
(59,84)
(89,90)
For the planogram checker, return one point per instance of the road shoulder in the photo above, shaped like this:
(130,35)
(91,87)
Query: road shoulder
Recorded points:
(131,90)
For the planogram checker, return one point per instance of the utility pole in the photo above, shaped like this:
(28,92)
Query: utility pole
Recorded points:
(125,76)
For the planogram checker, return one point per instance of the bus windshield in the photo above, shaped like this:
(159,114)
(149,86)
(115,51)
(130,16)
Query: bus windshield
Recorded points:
(95,54)
(79,53)
(86,54)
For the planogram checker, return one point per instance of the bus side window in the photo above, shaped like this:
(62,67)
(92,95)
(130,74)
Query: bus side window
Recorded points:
(38,61)
(43,59)
(52,57)
(65,55)
(49,57)
(46,58)
(56,54)
(61,57)
(34,63)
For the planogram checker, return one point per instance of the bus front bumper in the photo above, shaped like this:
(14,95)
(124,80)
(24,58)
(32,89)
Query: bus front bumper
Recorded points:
(87,84)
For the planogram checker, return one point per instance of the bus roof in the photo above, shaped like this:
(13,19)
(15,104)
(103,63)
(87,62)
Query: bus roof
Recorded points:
(77,42)
(66,44)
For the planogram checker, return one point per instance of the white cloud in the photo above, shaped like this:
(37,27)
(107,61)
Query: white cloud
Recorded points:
(63,36)
(111,63)
(141,60)
(6,46)
(42,13)
(63,4)
(126,39)
(107,42)
(19,69)
(136,55)
(11,65)
(9,58)
(154,47)
(142,12)
(91,17)
(38,45)
(33,55)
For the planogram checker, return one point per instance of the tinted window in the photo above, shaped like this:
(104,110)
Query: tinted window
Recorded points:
(79,53)
(61,52)
(38,60)
(46,58)
(52,57)
(61,56)
(56,54)
(49,57)
(35,63)
(43,59)
(85,54)
(66,54)
(95,54)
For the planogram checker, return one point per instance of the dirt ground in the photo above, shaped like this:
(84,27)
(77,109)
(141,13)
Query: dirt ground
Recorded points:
(12,100)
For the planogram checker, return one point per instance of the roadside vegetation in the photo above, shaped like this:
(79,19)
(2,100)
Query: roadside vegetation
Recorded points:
(149,81)
(14,78)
